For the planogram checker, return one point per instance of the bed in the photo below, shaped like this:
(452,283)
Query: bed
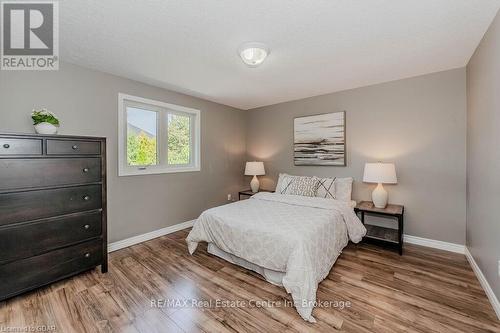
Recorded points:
(291,240)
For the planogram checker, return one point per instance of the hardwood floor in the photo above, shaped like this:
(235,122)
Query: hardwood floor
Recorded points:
(425,290)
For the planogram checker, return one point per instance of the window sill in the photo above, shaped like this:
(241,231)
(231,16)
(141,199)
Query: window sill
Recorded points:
(155,171)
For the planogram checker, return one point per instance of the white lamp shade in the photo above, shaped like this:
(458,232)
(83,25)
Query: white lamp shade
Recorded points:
(255,169)
(384,173)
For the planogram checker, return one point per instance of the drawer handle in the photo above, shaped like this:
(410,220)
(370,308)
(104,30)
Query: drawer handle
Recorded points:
(86,198)
(87,226)
(74,147)
(6,146)
(87,255)
(85,170)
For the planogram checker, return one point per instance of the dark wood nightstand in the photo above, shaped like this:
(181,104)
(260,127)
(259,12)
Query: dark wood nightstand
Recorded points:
(380,235)
(249,193)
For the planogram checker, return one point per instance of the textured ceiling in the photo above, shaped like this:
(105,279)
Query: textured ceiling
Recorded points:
(317,46)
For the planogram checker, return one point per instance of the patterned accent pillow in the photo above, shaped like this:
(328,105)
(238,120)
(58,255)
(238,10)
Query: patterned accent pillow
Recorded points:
(305,186)
(326,188)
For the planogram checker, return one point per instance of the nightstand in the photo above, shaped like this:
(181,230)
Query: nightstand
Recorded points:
(379,235)
(249,193)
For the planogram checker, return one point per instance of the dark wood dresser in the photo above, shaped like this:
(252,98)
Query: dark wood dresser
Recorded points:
(52,209)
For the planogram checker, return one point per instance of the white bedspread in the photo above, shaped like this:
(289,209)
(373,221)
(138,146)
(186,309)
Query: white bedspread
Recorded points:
(301,236)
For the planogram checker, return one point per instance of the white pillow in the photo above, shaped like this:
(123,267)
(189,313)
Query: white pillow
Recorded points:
(343,188)
(281,178)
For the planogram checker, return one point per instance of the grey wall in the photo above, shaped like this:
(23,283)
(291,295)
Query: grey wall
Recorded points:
(418,123)
(483,155)
(87,103)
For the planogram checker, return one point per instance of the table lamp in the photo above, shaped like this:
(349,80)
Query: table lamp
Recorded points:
(380,173)
(254,169)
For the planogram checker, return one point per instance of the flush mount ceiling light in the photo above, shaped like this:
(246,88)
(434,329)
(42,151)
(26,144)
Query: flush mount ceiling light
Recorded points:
(253,54)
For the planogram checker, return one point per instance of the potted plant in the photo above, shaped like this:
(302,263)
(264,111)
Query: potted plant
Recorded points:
(45,122)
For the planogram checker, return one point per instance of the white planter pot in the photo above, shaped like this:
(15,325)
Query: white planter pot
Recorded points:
(45,128)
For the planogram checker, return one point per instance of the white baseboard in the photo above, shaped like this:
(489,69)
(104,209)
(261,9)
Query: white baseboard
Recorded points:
(484,283)
(452,247)
(147,236)
(462,249)
(188,224)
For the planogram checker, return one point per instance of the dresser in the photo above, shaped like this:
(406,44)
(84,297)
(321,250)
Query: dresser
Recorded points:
(52,209)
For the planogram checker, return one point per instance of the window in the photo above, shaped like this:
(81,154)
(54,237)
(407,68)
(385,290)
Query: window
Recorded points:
(157,137)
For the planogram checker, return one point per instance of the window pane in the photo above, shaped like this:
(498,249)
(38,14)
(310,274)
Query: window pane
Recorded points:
(141,137)
(179,139)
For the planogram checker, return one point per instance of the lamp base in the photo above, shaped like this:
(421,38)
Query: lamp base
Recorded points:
(254,184)
(379,196)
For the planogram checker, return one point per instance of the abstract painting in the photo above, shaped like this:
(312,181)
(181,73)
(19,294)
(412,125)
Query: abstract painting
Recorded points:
(320,139)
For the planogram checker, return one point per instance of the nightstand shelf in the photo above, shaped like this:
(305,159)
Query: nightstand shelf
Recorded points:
(380,235)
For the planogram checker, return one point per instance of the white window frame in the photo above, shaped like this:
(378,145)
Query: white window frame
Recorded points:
(162,137)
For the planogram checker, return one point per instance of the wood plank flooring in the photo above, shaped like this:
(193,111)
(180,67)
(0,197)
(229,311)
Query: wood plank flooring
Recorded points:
(425,290)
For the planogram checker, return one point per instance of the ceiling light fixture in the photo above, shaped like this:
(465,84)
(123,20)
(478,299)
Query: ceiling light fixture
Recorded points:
(253,54)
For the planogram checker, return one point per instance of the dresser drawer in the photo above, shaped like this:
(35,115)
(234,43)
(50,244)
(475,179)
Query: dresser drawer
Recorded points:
(30,273)
(29,239)
(10,146)
(73,147)
(31,205)
(24,173)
